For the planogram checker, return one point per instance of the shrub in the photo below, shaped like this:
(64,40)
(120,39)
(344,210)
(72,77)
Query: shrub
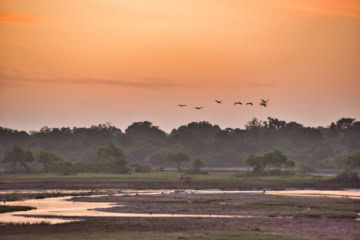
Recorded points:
(347,177)
(140,168)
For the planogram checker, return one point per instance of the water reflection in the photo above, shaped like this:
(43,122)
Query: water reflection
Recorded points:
(353,194)
(58,207)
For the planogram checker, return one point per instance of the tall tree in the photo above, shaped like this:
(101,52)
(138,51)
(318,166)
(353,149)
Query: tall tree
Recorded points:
(48,159)
(178,158)
(17,156)
(112,159)
(197,163)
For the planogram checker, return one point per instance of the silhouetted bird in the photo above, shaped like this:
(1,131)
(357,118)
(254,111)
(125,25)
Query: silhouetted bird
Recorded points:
(181,105)
(249,103)
(199,108)
(219,101)
(264,103)
(237,103)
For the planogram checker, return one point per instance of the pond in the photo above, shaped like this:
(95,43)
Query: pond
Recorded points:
(56,210)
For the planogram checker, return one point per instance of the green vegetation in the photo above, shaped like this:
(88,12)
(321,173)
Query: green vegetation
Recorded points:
(145,144)
(152,235)
(5,208)
(111,159)
(16,156)
(178,157)
(197,164)
(274,158)
(352,161)
(138,168)
(171,179)
(50,161)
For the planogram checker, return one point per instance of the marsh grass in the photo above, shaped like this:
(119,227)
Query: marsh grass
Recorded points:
(169,179)
(154,235)
(24,223)
(5,208)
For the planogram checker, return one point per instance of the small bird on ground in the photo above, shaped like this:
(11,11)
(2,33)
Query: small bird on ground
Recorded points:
(249,103)
(199,108)
(219,101)
(240,103)
(181,105)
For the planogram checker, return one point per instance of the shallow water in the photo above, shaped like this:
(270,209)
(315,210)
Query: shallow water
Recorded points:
(57,207)
(353,194)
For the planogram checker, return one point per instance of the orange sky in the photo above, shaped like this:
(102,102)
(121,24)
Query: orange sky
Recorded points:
(84,62)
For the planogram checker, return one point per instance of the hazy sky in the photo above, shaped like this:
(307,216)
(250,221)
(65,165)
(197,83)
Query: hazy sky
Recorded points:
(85,62)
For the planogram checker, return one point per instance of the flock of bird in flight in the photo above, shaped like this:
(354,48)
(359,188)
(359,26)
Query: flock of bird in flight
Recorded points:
(263,103)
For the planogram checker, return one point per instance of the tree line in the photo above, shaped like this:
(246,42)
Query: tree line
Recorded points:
(144,144)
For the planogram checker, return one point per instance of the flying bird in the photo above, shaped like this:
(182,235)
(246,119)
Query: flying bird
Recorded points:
(181,105)
(249,103)
(199,108)
(264,103)
(240,103)
(219,101)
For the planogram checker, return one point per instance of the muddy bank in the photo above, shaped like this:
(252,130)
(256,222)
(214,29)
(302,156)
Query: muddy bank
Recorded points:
(308,217)
(301,227)
(246,204)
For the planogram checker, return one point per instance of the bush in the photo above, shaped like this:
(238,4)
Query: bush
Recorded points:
(270,172)
(66,168)
(138,168)
(347,177)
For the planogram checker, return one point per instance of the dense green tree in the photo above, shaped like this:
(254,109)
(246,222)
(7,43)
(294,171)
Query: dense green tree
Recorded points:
(17,156)
(274,158)
(178,157)
(256,161)
(48,160)
(143,142)
(197,164)
(112,159)
(352,160)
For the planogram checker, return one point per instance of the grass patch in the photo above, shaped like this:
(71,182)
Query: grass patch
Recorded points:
(152,235)
(170,179)
(24,223)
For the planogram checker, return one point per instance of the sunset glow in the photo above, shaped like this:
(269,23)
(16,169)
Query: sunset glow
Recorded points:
(84,62)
